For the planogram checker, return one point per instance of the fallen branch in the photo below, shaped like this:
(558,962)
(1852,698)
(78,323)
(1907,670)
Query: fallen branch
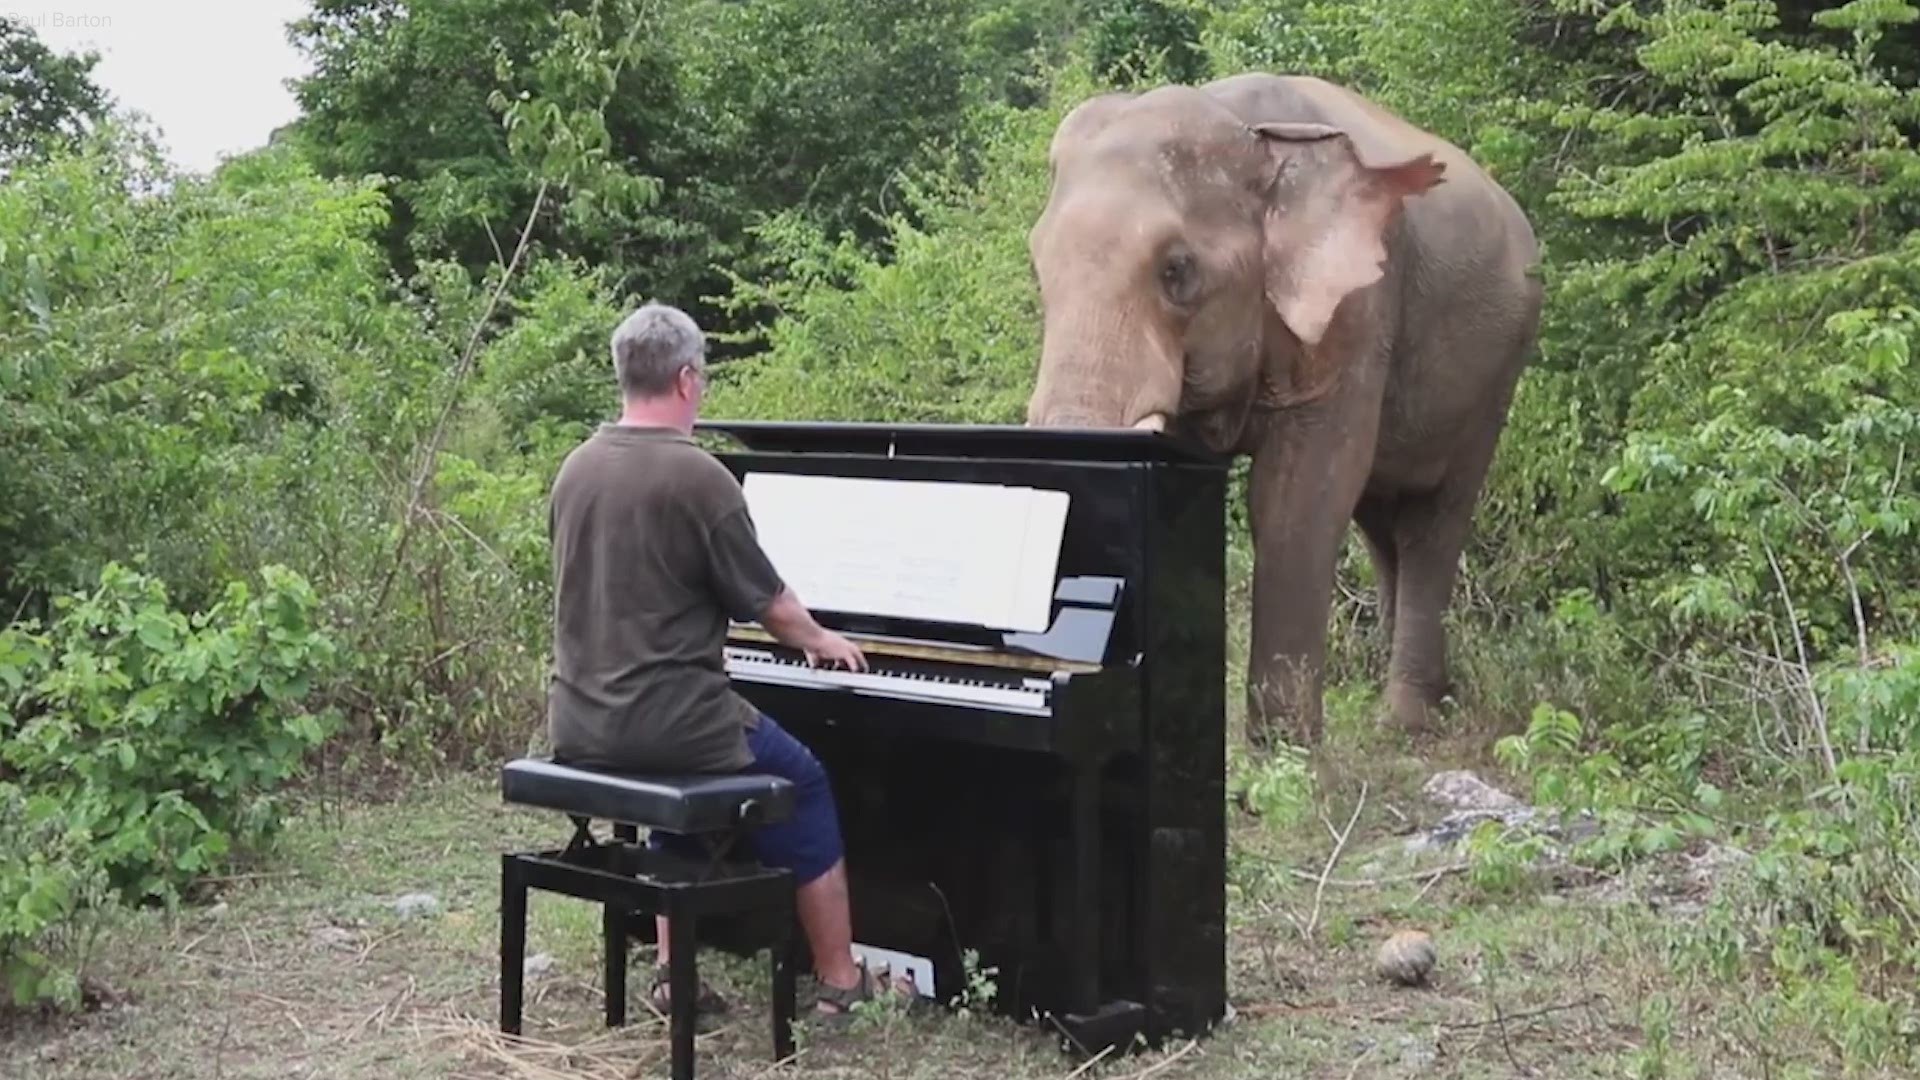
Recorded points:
(1339,845)
(1528,1015)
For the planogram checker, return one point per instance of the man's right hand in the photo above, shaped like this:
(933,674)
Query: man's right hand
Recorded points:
(792,625)
(830,648)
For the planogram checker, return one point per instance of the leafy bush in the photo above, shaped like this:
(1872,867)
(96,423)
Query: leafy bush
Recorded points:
(145,746)
(48,891)
(162,736)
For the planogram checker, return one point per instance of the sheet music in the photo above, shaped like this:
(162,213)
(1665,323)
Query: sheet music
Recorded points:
(919,549)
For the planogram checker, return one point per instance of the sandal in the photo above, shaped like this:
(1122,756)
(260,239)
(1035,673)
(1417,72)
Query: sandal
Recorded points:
(707,1003)
(843,999)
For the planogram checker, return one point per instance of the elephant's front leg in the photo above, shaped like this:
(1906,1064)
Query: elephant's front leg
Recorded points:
(1302,488)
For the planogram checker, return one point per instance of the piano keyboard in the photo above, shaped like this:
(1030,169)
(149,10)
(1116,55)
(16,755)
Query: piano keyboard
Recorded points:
(1020,694)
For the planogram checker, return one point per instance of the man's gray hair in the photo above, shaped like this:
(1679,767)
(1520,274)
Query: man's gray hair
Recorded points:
(651,347)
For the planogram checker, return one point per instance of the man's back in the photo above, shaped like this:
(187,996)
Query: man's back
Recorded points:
(653,550)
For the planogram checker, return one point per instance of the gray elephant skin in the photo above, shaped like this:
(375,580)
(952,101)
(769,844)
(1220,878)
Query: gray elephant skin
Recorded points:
(1277,267)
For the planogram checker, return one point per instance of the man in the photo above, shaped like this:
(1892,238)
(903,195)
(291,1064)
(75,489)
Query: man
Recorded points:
(653,551)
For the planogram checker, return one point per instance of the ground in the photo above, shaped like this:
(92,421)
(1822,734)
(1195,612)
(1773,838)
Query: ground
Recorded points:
(306,969)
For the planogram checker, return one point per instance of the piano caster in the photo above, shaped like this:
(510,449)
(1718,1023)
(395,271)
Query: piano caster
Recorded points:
(1115,1025)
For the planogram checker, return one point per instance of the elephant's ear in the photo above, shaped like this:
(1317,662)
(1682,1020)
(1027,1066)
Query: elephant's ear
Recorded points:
(1326,220)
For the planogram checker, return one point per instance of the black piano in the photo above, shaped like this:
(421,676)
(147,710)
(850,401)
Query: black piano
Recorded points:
(1049,801)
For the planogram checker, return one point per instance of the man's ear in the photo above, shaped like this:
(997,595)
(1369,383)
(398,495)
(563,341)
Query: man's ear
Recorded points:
(1326,218)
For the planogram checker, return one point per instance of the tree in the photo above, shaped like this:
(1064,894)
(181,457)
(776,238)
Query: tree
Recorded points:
(46,99)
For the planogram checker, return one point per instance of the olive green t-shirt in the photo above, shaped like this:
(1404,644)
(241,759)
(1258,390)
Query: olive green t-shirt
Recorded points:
(653,551)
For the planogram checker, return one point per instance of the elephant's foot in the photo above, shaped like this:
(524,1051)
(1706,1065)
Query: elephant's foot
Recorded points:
(1415,709)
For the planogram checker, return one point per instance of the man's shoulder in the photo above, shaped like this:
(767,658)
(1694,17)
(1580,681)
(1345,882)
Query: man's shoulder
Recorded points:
(666,463)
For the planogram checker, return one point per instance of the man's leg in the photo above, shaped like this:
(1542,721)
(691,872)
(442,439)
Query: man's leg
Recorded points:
(808,844)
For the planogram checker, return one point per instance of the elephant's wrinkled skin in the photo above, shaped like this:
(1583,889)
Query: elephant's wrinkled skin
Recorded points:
(1278,267)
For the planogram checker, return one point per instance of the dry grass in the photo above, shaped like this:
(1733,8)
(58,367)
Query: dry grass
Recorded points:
(306,970)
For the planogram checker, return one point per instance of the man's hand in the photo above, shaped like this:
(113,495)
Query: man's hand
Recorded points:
(792,625)
(832,649)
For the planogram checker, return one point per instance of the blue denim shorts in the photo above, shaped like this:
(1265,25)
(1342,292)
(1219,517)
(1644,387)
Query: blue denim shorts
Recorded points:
(807,843)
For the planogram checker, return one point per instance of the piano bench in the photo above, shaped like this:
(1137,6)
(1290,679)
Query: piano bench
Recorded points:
(629,880)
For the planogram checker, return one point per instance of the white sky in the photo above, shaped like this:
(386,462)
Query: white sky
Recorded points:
(209,74)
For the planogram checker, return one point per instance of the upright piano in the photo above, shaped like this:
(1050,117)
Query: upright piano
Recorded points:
(1031,775)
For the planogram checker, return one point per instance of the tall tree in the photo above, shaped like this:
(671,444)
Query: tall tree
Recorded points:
(47,99)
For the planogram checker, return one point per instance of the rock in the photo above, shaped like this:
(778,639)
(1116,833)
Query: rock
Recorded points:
(539,964)
(1462,790)
(333,937)
(1456,826)
(1417,1052)
(1406,958)
(414,904)
(1471,801)
(1705,870)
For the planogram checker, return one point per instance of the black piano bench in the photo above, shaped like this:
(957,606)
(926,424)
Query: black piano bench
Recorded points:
(629,880)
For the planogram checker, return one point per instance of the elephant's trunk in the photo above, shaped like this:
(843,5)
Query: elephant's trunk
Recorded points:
(1099,368)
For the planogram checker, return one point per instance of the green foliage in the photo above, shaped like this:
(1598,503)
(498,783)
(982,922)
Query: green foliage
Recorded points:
(147,745)
(1128,40)
(161,734)
(47,897)
(153,345)
(47,99)
(945,329)
(1278,787)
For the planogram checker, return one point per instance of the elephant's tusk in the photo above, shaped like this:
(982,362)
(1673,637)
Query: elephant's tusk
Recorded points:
(1152,422)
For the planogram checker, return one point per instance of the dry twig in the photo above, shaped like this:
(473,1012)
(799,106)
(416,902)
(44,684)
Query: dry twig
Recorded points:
(1339,845)
(1091,1062)
(1166,1062)
(1389,879)
(431,452)
(1530,1014)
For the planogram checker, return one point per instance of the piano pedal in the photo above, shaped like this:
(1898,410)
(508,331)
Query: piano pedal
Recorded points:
(882,962)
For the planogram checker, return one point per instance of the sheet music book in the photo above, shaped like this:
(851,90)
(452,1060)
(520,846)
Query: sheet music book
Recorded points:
(917,549)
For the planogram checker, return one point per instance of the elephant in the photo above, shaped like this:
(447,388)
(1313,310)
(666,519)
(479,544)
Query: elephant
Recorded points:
(1282,270)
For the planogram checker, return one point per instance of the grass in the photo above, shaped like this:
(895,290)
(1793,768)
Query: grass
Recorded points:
(306,970)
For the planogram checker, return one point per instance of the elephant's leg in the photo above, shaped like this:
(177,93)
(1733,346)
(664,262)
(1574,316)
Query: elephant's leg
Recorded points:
(1375,517)
(1302,491)
(1430,531)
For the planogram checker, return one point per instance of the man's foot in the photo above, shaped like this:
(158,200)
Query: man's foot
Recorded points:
(840,1000)
(707,1003)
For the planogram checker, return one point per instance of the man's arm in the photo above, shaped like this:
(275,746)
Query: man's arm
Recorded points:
(791,624)
(745,579)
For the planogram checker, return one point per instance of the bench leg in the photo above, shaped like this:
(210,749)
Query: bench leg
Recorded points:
(613,920)
(784,952)
(683,983)
(513,942)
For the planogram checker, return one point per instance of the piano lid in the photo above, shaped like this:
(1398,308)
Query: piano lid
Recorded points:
(1002,441)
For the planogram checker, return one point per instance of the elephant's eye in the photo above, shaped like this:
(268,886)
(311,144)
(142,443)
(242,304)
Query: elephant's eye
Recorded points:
(1180,277)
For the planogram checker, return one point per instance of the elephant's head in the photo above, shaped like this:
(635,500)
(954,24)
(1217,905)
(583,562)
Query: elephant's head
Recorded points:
(1177,241)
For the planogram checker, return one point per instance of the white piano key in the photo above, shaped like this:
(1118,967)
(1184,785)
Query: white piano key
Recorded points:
(756,665)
